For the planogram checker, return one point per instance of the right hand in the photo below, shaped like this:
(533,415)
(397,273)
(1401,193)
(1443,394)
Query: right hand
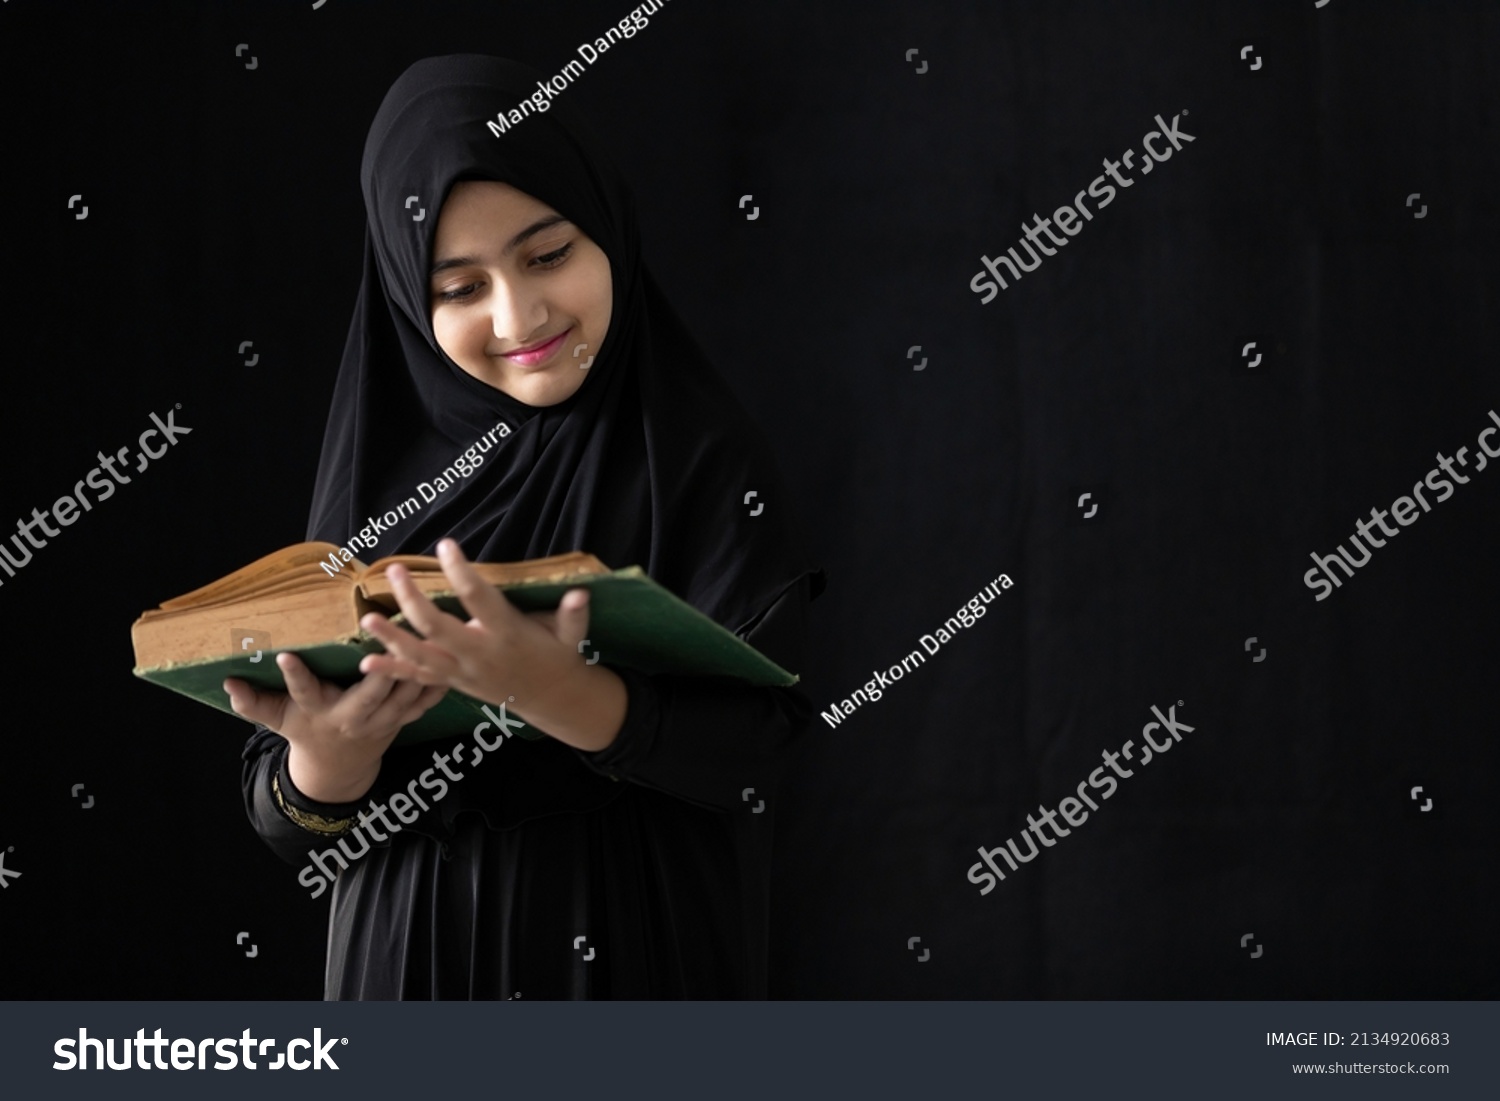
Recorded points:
(337,736)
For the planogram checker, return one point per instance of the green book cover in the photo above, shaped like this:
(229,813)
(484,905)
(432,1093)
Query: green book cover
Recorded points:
(633,622)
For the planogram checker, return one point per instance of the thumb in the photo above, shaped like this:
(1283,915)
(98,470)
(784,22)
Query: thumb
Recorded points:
(265,708)
(571,623)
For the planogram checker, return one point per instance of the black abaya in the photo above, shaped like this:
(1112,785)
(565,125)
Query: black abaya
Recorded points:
(655,850)
(666,877)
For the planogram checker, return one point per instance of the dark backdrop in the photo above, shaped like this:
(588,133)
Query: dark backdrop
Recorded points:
(224,207)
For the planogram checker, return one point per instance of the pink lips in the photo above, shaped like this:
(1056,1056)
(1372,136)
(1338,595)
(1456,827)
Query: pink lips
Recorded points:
(530,357)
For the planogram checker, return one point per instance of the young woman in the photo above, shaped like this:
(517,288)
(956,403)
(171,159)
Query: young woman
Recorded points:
(625,854)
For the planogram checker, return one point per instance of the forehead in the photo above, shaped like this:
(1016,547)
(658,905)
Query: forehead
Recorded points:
(488,205)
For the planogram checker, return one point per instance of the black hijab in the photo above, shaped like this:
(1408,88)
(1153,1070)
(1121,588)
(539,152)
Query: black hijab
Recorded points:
(647,464)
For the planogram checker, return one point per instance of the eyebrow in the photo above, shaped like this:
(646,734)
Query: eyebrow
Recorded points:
(514,243)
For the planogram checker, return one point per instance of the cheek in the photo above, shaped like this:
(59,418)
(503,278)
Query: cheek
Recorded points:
(600,295)
(455,334)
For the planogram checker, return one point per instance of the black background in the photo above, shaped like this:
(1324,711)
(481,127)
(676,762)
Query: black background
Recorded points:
(224,206)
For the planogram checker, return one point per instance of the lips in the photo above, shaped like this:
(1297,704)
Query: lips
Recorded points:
(536,353)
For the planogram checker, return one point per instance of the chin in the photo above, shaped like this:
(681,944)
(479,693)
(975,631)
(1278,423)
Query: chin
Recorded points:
(541,392)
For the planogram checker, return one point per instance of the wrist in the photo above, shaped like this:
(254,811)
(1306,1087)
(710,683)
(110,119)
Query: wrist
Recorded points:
(325,781)
(585,709)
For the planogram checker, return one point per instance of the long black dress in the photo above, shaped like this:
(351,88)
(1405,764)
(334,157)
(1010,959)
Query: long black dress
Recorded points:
(666,875)
(639,871)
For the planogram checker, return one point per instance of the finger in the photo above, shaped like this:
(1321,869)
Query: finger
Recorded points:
(304,688)
(361,700)
(400,669)
(401,643)
(409,652)
(372,690)
(259,706)
(572,621)
(430,620)
(402,693)
(423,703)
(402,696)
(405,693)
(480,599)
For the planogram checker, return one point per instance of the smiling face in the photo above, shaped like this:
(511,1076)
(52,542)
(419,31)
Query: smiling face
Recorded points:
(515,289)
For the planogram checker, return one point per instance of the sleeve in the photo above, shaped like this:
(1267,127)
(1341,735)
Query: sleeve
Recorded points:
(264,771)
(708,739)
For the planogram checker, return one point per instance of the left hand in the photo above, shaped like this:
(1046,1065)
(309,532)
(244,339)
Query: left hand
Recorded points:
(500,653)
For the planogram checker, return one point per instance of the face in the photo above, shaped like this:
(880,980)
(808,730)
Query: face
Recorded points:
(515,289)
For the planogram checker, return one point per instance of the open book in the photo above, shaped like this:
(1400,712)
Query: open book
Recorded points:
(288,601)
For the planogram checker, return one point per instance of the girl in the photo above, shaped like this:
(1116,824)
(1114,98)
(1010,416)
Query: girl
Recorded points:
(505,309)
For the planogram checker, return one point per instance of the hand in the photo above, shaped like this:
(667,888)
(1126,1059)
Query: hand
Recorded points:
(337,736)
(501,654)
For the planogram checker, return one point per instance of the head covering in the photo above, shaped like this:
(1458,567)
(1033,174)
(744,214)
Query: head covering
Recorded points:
(648,463)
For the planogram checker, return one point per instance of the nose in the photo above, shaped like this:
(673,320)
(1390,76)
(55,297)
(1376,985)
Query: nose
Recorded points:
(516,311)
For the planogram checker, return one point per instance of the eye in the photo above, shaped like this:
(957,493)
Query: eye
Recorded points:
(555,257)
(458,294)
